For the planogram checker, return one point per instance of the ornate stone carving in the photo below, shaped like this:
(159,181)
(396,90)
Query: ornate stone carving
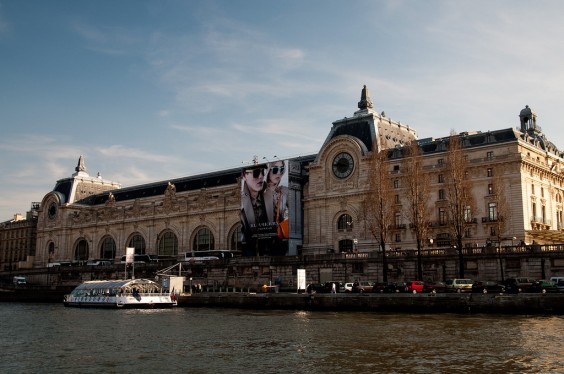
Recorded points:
(111,200)
(170,190)
(365,101)
(203,200)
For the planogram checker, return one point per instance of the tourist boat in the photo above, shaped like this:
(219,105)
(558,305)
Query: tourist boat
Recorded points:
(131,293)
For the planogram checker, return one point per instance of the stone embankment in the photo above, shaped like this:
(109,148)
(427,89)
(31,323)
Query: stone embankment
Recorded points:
(546,304)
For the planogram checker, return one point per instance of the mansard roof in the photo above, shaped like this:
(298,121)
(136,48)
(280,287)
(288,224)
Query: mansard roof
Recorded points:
(190,183)
(64,187)
(356,127)
(469,139)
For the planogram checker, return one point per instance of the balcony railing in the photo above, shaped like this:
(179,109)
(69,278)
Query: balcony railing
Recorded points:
(541,220)
(436,251)
(491,219)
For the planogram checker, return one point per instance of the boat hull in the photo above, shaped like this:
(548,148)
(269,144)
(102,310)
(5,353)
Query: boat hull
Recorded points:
(142,301)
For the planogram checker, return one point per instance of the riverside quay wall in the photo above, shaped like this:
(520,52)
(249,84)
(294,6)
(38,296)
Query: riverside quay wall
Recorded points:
(544,304)
(252,273)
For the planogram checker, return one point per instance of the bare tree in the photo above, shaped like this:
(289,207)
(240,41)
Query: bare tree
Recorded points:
(498,209)
(378,208)
(460,201)
(416,184)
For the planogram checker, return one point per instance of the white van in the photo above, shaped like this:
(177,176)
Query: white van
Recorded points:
(20,281)
(99,263)
(559,281)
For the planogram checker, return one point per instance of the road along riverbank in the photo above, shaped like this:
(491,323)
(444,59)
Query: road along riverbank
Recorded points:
(543,304)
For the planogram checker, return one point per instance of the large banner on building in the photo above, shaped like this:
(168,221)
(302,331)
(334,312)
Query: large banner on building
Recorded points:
(265,225)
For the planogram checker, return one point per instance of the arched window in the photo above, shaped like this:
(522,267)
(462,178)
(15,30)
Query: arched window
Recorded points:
(168,244)
(81,250)
(203,241)
(137,242)
(345,245)
(108,248)
(235,241)
(345,223)
(50,251)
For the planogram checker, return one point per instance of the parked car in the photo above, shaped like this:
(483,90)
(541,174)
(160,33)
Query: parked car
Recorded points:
(20,281)
(434,287)
(559,281)
(142,259)
(388,287)
(348,287)
(315,288)
(99,263)
(488,287)
(378,287)
(414,286)
(459,285)
(329,286)
(543,286)
(59,264)
(362,286)
(518,285)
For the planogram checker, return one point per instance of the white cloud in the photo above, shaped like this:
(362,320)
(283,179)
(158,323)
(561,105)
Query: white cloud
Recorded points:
(108,40)
(231,84)
(121,152)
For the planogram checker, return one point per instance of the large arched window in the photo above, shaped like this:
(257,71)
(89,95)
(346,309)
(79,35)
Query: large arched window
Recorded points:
(167,244)
(203,241)
(50,252)
(235,240)
(345,245)
(108,248)
(81,250)
(345,223)
(51,248)
(137,242)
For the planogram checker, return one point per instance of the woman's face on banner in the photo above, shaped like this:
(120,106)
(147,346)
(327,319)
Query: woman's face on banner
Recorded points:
(254,178)
(276,172)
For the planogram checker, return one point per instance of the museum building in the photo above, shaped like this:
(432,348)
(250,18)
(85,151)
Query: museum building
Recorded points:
(87,217)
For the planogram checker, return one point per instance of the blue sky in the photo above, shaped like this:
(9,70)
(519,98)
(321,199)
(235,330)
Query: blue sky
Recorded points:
(155,90)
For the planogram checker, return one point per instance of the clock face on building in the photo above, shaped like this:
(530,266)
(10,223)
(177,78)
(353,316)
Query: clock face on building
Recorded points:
(343,165)
(52,210)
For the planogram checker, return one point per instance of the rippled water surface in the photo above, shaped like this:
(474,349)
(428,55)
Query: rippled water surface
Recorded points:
(45,338)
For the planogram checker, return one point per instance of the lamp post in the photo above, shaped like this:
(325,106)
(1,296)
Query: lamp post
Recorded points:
(458,272)
(384,264)
(49,270)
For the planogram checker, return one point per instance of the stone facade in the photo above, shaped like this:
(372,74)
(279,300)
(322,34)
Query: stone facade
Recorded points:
(88,217)
(18,241)
(527,166)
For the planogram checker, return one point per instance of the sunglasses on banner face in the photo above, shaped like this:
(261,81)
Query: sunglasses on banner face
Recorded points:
(277,169)
(255,172)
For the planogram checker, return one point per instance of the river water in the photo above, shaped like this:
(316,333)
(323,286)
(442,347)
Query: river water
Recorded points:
(48,338)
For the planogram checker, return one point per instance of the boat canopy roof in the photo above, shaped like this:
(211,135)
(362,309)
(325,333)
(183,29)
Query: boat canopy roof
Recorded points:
(126,285)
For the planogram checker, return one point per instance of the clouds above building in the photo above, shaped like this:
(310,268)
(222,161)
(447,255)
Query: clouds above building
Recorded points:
(157,90)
